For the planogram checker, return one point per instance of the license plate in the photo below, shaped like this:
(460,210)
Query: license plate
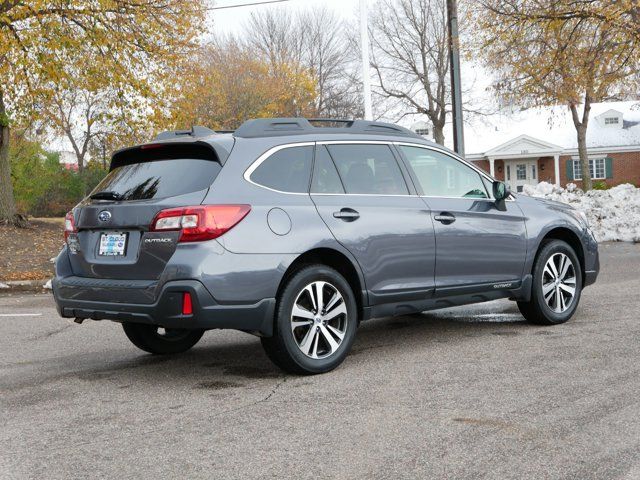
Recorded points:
(113,244)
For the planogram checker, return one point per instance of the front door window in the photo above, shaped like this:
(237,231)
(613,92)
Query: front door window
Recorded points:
(440,175)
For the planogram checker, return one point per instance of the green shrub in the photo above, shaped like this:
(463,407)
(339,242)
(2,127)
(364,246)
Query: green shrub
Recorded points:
(601,186)
(45,188)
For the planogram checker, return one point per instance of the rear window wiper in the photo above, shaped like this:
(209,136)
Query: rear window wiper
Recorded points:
(106,195)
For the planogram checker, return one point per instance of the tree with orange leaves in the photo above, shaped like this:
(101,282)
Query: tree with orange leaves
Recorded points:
(227,84)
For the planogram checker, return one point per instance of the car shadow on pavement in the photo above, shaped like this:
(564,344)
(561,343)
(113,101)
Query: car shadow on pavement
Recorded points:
(237,363)
(246,361)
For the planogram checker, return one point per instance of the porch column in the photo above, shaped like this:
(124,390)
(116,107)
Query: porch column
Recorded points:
(492,166)
(556,167)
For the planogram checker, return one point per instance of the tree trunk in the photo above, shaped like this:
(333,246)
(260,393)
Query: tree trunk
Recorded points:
(7,202)
(438,133)
(587,183)
(581,130)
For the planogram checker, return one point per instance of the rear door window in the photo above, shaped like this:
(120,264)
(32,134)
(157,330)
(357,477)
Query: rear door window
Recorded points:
(368,169)
(325,176)
(160,178)
(287,170)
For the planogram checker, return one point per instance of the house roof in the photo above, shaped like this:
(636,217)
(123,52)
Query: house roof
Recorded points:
(549,130)
(522,145)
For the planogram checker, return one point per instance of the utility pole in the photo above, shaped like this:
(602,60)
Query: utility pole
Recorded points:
(456,88)
(364,47)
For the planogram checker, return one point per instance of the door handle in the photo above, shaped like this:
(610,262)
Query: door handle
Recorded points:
(347,214)
(445,218)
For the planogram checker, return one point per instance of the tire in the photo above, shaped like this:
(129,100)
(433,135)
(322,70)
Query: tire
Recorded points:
(317,343)
(545,306)
(154,339)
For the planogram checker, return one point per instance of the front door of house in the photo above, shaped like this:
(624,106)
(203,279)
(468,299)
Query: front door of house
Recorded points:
(520,173)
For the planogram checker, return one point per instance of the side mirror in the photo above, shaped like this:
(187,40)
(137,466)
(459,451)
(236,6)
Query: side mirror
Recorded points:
(500,191)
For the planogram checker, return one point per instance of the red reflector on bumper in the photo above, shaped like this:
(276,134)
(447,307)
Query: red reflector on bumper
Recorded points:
(187,307)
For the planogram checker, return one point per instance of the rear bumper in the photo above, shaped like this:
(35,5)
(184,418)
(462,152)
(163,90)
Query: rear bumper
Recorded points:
(166,311)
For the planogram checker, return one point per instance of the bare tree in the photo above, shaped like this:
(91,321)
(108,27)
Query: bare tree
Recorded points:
(86,117)
(275,35)
(316,40)
(410,57)
(74,113)
(329,60)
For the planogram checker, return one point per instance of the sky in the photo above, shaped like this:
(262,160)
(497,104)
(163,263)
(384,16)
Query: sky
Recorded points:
(231,20)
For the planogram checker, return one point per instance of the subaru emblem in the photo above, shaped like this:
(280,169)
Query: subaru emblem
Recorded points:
(104,216)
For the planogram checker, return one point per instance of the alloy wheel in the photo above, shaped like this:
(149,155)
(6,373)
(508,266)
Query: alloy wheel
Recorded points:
(559,283)
(319,320)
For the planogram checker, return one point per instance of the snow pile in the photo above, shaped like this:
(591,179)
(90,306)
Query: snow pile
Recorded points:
(3,285)
(614,214)
(47,286)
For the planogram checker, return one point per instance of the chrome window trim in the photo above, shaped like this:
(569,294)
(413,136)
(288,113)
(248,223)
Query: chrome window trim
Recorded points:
(355,142)
(277,148)
(364,194)
(262,158)
(461,160)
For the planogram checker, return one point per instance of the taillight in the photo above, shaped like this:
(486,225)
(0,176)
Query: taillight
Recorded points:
(69,225)
(203,222)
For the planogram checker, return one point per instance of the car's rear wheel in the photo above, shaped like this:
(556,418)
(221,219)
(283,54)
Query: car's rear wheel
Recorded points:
(557,285)
(161,341)
(315,322)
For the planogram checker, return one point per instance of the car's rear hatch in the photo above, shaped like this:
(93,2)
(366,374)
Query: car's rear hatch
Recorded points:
(112,238)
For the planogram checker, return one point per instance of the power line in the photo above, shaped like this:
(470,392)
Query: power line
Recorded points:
(247,4)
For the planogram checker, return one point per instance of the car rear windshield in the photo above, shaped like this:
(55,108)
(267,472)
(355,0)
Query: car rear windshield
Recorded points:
(159,178)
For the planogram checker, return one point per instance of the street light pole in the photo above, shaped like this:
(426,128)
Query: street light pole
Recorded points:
(364,47)
(456,88)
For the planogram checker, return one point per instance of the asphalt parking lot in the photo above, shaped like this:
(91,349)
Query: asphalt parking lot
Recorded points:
(465,393)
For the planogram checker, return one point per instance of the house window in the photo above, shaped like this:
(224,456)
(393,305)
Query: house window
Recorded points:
(611,121)
(422,131)
(521,172)
(596,168)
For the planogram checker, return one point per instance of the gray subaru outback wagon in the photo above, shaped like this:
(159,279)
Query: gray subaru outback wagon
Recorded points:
(297,230)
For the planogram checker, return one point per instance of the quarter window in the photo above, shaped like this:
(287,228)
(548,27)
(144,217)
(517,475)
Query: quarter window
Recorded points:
(440,175)
(368,169)
(287,170)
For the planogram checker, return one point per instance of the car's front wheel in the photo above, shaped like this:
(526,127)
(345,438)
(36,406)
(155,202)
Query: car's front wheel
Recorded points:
(161,341)
(557,285)
(315,322)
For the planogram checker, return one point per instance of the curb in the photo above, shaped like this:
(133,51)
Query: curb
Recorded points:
(34,286)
